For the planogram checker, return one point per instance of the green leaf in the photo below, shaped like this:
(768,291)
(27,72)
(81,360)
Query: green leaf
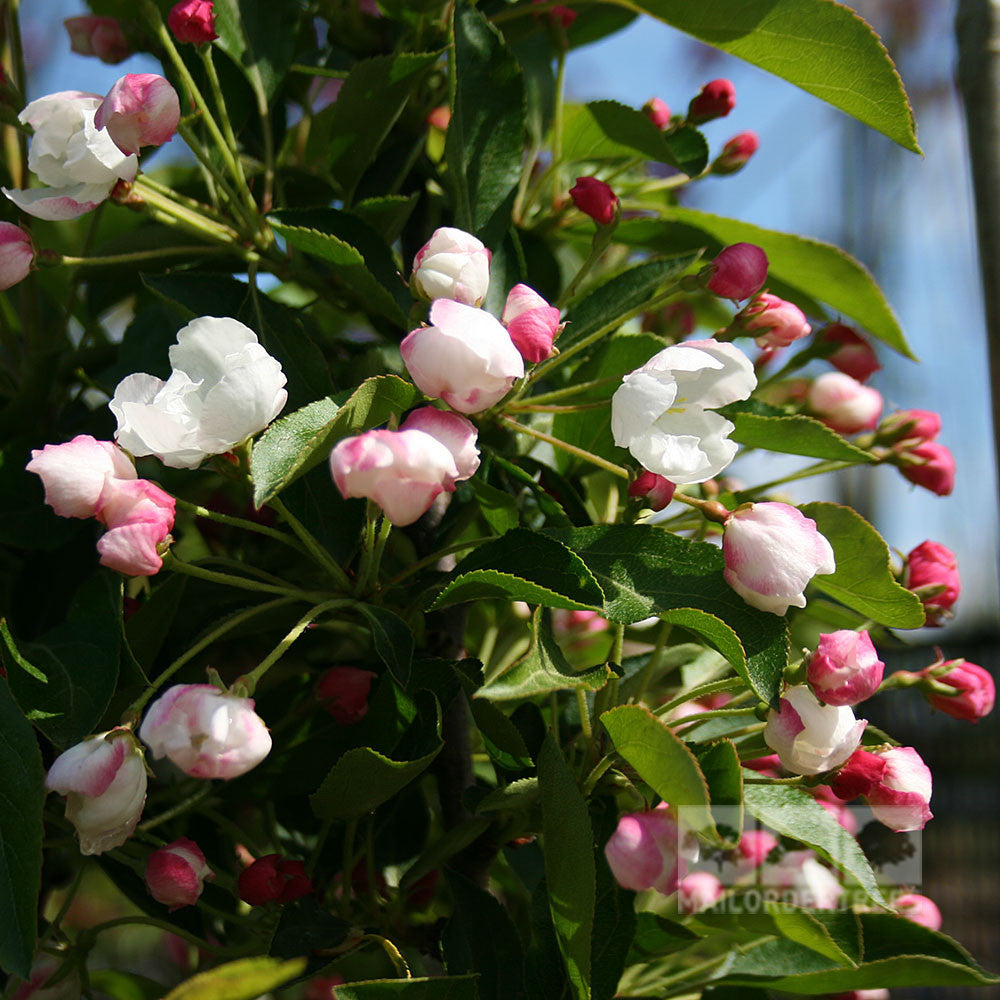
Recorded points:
(820,46)
(499,509)
(480,937)
(610,304)
(795,435)
(307,926)
(614,929)
(809,266)
(484,144)
(664,762)
(388,214)
(519,794)
(259,38)
(392,638)
(543,669)
(570,873)
(297,443)
(863,579)
(244,979)
(796,814)
(720,764)
(438,988)
(603,130)
(22,795)
(124,985)
(645,571)
(503,741)
(362,265)
(523,566)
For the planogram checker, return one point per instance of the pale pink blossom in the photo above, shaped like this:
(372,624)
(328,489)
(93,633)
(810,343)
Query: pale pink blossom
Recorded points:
(74,473)
(698,891)
(452,264)
(644,852)
(17,254)
(920,909)
(810,737)
(773,321)
(402,471)
(772,551)
(104,782)
(845,669)
(532,323)
(737,272)
(141,109)
(843,403)
(176,873)
(206,732)
(465,357)
(140,517)
(457,433)
(91,35)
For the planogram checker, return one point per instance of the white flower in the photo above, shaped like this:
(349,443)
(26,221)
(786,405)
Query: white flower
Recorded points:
(224,387)
(79,163)
(662,411)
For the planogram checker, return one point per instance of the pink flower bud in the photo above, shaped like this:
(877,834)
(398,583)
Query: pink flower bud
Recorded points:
(900,799)
(452,264)
(930,465)
(323,987)
(912,426)
(465,357)
(440,117)
(344,693)
(776,322)
(845,669)
(755,846)
(458,434)
(140,517)
(698,891)
(141,109)
(933,565)
(843,403)
(104,781)
(274,879)
(133,548)
(595,198)
(532,323)
(402,471)
(810,737)
(90,35)
(655,489)
(175,874)
(193,21)
(772,551)
(74,473)
(657,112)
(715,100)
(17,254)
(577,622)
(737,272)
(560,14)
(736,153)
(852,355)
(862,772)
(206,732)
(644,852)
(975,692)
(919,909)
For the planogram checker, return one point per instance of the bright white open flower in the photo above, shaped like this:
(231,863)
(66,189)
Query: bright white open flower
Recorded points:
(224,387)
(79,163)
(662,412)
(811,737)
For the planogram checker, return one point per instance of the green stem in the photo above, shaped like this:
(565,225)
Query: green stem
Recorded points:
(398,962)
(185,217)
(347,863)
(171,562)
(710,687)
(570,390)
(437,556)
(557,124)
(715,713)
(225,185)
(181,807)
(600,769)
(311,544)
(588,456)
(653,662)
(818,469)
(585,724)
(140,255)
(600,243)
(56,922)
(21,82)
(153,922)
(239,522)
(371,559)
(531,407)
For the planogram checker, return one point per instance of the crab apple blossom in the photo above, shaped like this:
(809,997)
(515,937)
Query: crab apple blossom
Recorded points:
(141,109)
(402,471)
(595,198)
(920,909)
(205,732)
(532,323)
(344,692)
(773,322)
(772,551)
(850,353)
(17,254)
(104,782)
(656,490)
(132,548)
(274,879)
(452,264)
(193,21)
(933,565)
(74,473)
(913,426)
(78,163)
(465,357)
(810,737)
(457,433)
(175,874)
(843,403)
(698,891)
(737,272)
(715,100)
(930,465)
(644,852)
(975,691)
(91,35)
(736,153)
(663,411)
(896,783)
(657,112)
(754,847)
(223,388)
(844,669)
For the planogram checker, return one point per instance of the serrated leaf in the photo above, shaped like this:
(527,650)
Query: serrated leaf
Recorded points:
(438,988)
(392,639)
(244,979)
(795,434)
(519,794)
(645,571)
(306,926)
(503,741)
(499,509)
(863,579)
(297,443)
(720,764)
(664,762)
(823,47)
(387,215)
(259,38)
(796,814)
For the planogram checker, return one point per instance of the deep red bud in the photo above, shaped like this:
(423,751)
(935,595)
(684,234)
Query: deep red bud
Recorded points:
(272,879)
(853,355)
(737,272)
(193,21)
(716,99)
(595,198)
(344,691)
(657,112)
(932,564)
(657,490)
(935,470)
(859,775)
(736,153)
(975,691)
